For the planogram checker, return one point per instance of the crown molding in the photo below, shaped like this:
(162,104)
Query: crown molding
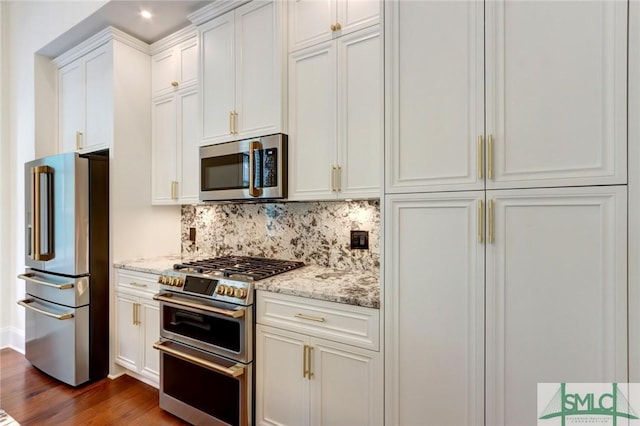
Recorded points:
(171,40)
(214,10)
(97,40)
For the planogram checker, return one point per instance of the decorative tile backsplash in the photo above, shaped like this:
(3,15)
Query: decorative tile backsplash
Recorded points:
(313,232)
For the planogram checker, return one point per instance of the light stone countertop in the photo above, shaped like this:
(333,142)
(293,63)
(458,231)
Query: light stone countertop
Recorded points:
(359,288)
(154,265)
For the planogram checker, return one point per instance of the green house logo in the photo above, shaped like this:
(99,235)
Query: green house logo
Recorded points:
(583,405)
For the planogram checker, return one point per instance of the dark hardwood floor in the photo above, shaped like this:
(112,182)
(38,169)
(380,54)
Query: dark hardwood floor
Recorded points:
(33,398)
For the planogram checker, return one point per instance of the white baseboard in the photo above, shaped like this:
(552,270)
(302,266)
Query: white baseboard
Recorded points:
(11,337)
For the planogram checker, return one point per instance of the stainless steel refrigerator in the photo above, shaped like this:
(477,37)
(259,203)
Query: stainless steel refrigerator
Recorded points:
(67,260)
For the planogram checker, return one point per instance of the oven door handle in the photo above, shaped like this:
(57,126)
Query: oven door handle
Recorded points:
(233,371)
(226,312)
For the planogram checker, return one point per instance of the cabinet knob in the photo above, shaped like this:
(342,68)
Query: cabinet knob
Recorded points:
(174,83)
(338,26)
(333,27)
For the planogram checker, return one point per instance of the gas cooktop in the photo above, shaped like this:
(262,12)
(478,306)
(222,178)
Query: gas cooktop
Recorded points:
(244,267)
(228,279)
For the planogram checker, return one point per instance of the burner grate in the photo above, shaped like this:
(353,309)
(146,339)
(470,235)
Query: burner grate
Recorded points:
(247,267)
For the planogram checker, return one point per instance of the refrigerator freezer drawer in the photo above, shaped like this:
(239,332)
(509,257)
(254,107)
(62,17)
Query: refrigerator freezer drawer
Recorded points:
(71,292)
(57,339)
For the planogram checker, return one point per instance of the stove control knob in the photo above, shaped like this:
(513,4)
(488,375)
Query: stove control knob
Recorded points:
(240,293)
(180,282)
(229,291)
(175,281)
(221,289)
(160,279)
(164,279)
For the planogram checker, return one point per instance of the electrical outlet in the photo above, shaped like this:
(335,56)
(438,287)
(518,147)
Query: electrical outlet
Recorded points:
(359,240)
(192,235)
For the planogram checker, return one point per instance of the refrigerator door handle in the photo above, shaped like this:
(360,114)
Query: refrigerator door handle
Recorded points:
(26,303)
(36,213)
(30,277)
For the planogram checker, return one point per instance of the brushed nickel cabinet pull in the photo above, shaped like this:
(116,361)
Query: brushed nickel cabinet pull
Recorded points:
(305,369)
(309,369)
(174,83)
(338,179)
(480,221)
(78,141)
(333,178)
(174,190)
(231,122)
(490,207)
(480,156)
(309,317)
(490,156)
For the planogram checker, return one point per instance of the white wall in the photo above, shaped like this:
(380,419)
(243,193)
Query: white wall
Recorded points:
(26,27)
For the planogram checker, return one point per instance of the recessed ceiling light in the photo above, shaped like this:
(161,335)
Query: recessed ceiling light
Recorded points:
(145,14)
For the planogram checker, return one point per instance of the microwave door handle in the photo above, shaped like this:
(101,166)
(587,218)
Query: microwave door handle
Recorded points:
(253,191)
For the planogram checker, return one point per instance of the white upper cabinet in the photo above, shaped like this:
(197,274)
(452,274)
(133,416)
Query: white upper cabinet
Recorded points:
(242,69)
(335,118)
(557,92)
(175,137)
(314,21)
(435,75)
(85,101)
(175,68)
(555,101)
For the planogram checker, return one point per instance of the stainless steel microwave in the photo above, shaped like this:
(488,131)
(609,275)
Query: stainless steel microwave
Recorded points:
(250,169)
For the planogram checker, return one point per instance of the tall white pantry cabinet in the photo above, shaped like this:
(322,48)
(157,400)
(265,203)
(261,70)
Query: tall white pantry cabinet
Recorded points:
(505,205)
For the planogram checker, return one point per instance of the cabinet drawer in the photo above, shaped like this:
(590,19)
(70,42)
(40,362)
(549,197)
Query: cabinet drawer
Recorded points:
(137,281)
(353,325)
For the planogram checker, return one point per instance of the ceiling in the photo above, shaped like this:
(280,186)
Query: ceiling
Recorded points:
(168,16)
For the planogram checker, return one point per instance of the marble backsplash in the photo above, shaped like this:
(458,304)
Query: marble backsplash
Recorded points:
(314,232)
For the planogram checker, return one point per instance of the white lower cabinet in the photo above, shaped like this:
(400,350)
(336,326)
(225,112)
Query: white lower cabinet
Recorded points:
(137,325)
(490,293)
(302,379)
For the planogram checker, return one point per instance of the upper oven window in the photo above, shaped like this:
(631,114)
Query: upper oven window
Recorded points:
(225,172)
(222,332)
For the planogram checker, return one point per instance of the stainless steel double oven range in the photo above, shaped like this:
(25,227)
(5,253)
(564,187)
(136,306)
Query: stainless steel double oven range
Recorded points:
(207,337)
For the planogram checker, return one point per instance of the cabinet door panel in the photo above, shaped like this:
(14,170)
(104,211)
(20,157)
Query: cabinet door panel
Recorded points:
(189,142)
(310,22)
(163,72)
(434,298)
(258,68)
(188,62)
(282,394)
(99,100)
(163,150)
(71,104)
(357,14)
(557,99)
(312,116)
(127,342)
(360,113)
(346,387)
(435,84)
(150,318)
(217,78)
(556,294)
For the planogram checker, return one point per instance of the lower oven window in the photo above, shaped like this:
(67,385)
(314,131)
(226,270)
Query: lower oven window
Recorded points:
(221,332)
(208,391)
